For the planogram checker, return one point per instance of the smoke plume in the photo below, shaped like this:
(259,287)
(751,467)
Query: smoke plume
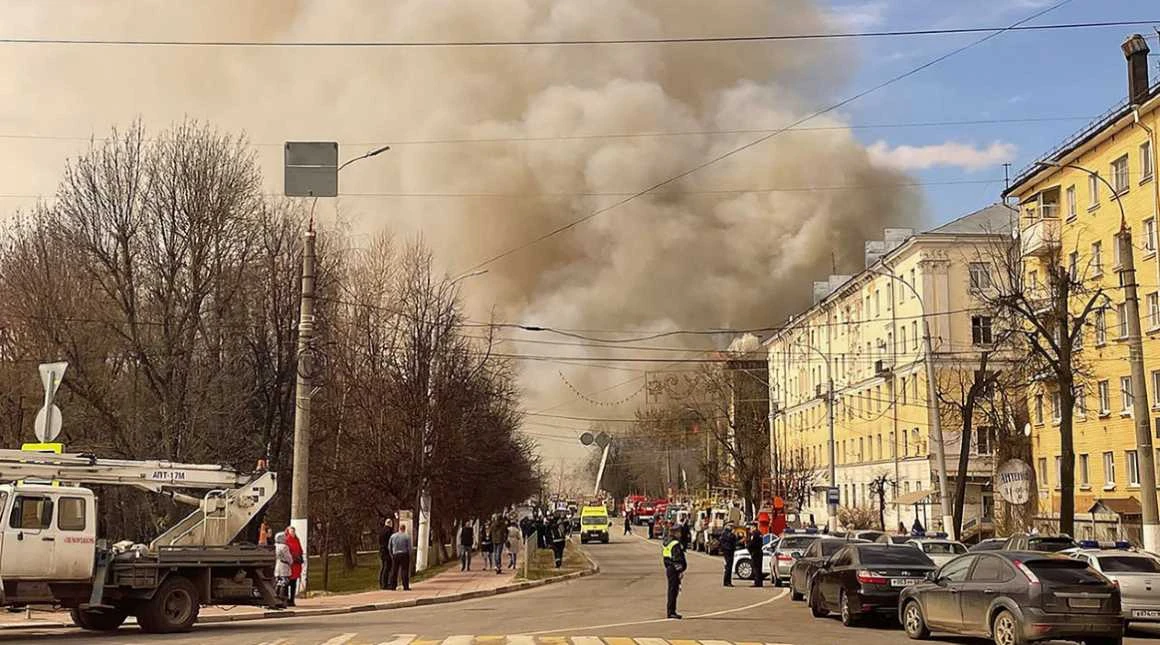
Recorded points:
(736,244)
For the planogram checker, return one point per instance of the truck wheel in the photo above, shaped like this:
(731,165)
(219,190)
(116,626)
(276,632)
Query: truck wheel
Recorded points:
(173,608)
(98,620)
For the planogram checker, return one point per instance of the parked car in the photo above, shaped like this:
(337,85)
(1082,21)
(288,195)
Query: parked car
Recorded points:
(789,548)
(1041,543)
(893,539)
(811,560)
(1136,573)
(743,564)
(1015,597)
(863,579)
(939,550)
(989,544)
(869,535)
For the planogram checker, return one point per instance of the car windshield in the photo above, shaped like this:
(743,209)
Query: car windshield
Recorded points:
(1065,572)
(882,554)
(943,548)
(1129,564)
(1050,544)
(594,519)
(796,542)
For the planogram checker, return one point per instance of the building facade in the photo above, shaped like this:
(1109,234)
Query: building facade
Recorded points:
(857,354)
(1069,215)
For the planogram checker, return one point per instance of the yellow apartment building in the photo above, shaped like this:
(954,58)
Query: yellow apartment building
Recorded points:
(865,332)
(1068,215)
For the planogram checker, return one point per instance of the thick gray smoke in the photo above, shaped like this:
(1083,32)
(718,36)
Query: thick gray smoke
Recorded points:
(736,244)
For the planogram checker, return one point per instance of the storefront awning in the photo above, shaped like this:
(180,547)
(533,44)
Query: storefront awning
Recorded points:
(914,497)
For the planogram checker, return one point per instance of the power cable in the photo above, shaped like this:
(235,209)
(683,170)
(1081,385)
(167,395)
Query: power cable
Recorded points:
(764,138)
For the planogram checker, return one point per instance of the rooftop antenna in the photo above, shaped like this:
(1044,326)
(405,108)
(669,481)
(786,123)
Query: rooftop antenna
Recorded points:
(1006,176)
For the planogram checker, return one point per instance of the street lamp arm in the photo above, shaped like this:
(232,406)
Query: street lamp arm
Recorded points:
(1092,173)
(372,153)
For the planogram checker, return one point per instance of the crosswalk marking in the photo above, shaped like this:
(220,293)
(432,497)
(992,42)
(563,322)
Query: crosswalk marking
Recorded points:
(651,641)
(459,640)
(401,639)
(352,638)
(586,640)
(341,639)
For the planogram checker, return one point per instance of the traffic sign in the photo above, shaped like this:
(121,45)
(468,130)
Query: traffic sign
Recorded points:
(833,495)
(587,438)
(48,422)
(51,375)
(311,169)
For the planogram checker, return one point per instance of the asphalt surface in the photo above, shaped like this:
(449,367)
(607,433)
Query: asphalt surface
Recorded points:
(625,600)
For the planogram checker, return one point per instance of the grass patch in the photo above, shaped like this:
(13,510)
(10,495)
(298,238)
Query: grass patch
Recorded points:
(543,565)
(363,577)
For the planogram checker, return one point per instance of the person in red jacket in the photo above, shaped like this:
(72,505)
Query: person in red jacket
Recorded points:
(295,569)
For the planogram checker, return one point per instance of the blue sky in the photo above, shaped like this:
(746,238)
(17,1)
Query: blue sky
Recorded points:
(1017,75)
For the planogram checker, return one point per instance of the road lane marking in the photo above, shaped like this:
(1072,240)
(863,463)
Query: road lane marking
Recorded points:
(521,640)
(461,639)
(588,628)
(651,641)
(586,640)
(341,639)
(619,640)
(401,639)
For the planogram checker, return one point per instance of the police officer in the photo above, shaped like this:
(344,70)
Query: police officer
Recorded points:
(728,544)
(755,556)
(675,565)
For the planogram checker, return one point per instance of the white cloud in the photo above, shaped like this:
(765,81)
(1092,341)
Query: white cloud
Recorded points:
(856,17)
(950,153)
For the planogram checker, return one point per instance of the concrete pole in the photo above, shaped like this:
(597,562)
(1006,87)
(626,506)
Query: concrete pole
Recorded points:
(600,473)
(300,487)
(833,508)
(1140,412)
(423,526)
(948,521)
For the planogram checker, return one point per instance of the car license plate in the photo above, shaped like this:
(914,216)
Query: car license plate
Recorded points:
(904,582)
(1146,613)
(1083,603)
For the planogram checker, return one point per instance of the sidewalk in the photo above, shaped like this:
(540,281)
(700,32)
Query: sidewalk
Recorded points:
(449,586)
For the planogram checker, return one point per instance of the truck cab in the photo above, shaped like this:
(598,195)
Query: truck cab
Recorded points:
(48,533)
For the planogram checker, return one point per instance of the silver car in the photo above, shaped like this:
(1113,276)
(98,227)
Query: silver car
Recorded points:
(789,548)
(1138,575)
(940,550)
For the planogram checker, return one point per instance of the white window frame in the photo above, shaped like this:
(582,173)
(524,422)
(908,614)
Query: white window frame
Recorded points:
(1146,168)
(1155,389)
(979,276)
(1058,471)
(1132,459)
(1101,326)
(1109,469)
(1039,409)
(1081,400)
(1056,406)
(1071,202)
(1097,258)
(1103,389)
(982,325)
(1084,481)
(1125,395)
(1122,320)
(1121,170)
(1150,236)
(1153,300)
(1044,482)
(1093,190)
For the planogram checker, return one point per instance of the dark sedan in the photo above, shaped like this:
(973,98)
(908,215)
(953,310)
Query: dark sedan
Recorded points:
(810,561)
(990,544)
(862,579)
(1015,597)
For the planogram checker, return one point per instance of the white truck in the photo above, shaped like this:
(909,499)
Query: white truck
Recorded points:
(50,553)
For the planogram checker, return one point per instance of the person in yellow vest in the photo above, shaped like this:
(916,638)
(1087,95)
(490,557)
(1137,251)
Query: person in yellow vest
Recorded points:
(675,565)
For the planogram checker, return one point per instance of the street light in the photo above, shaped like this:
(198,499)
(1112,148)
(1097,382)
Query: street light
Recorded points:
(423,527)
(932,407)
(831,505)
(372,153)
(1144,455)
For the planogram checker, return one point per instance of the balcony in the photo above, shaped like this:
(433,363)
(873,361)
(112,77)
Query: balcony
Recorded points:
(882,367)
(1041,237)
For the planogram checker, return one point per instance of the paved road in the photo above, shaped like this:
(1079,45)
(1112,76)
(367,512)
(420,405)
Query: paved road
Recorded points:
(625,601)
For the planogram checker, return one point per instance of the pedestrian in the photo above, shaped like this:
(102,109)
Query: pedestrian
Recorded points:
(499,536)
(485,546)
(754,546)
(282,563)
(400,547)
(296,568)
(917,528)
(514,541)
(385,552)
(901,528)
(264,533)
(558,535)
(673,556)
(727,544)
(466,542)
(628,523)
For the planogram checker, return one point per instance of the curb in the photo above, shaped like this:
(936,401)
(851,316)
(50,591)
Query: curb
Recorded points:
(355,609)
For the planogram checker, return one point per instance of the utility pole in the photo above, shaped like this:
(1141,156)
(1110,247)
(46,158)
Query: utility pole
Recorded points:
(300,489)
(1140,412)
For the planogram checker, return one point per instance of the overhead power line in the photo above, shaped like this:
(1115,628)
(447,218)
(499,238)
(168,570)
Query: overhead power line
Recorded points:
(675,40)
(729,153)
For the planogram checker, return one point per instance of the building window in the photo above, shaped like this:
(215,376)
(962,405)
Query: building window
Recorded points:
(1153,310)
(980,276)
(914,389)
(905,443)
(1156,389)
(1109,469)
(1097,259)
(1146,161)
(1073,265)
(1039,409)
(1093,190)
(880,446)
(914,334)
(861,449)
(1125,395)
(1070,202)
(1133,468)
(913,282)
(1149,235)
(904,390)
(1083,470)
(981,330)
(1056,406)
(1115,253)
(984,439)
(1105,397)
(1058,471)
(1043,482)
(1101,327)
(877,304)
(902,339)
(1081,400)
(917,443)
(1120,174)
(1122,319)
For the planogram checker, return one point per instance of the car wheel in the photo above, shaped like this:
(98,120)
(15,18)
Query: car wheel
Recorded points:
(744,570)
(1006,630)
(849,618)
(913,622)
(817,605)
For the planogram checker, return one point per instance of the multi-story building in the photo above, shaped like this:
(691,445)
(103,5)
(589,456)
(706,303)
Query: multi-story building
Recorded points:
(864,333)
(1071,216)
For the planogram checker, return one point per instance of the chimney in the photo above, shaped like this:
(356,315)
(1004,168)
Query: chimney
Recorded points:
(1136,51)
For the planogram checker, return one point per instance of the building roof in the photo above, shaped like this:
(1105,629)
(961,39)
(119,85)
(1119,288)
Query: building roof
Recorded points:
(1129,506)
(994,219)
(1081,138)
